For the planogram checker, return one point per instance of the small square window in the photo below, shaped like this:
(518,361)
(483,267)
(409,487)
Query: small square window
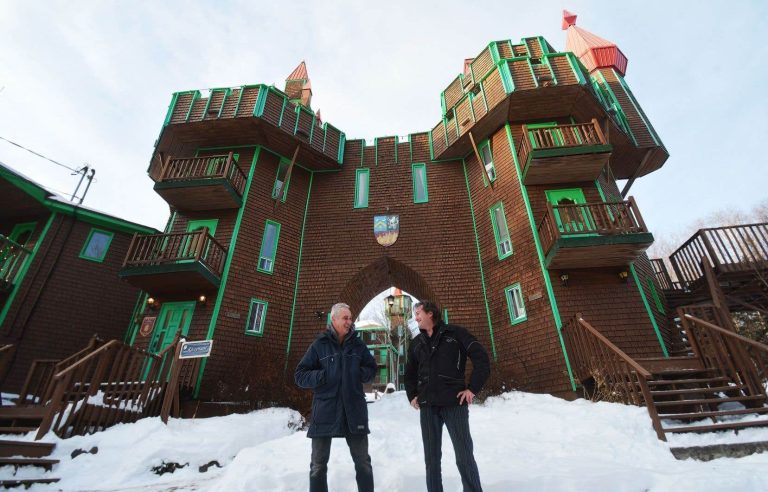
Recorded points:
(257,314)
(97,245)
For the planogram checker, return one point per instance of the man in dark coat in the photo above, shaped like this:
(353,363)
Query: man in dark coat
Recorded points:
(335,367)
(435,385)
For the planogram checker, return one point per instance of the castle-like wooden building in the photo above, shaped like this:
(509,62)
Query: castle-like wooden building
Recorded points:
(507,213)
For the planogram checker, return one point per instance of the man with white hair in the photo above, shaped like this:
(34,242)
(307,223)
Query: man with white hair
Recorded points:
(335,367)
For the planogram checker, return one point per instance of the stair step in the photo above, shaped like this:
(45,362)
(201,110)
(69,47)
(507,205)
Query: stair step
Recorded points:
(707,453)
(41,462)
(27,482)
(706,401)
(661,382)
(658,364)
(724,426)
(688,391)
(25,448)
(681,372)
(714,413)
(16,430)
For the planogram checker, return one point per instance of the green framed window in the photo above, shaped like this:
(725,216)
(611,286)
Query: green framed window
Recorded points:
(501,231)
(655,295)
(420,193)
(362,180)
(257,313)
(96,245)
(280,180)
(514,296)
(487,156)
(268,247)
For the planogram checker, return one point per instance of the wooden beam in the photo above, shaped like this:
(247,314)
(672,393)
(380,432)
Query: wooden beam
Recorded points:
(287,179)
(479,159)
(637,173)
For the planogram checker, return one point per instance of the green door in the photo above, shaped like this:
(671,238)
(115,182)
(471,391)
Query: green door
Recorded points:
(571,220)
(173,316)
(11,260)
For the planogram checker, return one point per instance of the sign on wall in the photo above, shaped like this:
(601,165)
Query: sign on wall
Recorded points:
(386,229)
(147,325)
(193,350)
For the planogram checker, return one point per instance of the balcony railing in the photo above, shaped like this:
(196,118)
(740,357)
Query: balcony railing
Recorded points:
(211,167)
(177,248)
(731,249)
(12,259)
(558,140)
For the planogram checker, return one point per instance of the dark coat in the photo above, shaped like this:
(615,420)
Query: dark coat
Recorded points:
(336,373)
(436,366)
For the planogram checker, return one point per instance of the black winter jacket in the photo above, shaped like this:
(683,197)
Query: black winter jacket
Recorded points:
(336,374)
(436,366)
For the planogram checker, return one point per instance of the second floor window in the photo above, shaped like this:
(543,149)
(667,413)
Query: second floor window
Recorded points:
(514,295)
(420,193)
(268,247)
(256,316)
(281,182)
(501,231)
(362,178)
(487,157)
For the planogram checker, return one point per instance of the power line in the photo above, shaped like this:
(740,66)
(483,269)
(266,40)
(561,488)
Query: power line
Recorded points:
(41,155)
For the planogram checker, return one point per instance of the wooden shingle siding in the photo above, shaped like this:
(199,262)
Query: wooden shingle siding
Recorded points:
(305,125)
(273,107)
(183,102)
(521,75)
(318,135)
(482,64)
(505,49)
(248,101)
(420,147)
(636,124)
(494,89)
(451,130)
(438,139)
(464,115)
(519,50)
(534,47)
(228,111)
(453,93)
(562,70)
(197,109)
(332,138)
(385,150)
(217,99)
(288,123)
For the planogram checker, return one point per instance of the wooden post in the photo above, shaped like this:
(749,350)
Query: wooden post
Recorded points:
(287,179)
(479,159)
(599,131)
(172,388)
(636,214)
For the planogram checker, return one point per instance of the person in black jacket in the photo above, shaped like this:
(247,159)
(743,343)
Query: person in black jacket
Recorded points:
(335,367)
(435,385)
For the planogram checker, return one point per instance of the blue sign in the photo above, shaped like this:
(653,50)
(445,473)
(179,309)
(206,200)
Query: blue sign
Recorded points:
(193,350)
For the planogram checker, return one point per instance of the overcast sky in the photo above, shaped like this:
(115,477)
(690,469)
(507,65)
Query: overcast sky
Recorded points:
(90,81)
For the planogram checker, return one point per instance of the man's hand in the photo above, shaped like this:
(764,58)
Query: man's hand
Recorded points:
(415,402)
(465,395)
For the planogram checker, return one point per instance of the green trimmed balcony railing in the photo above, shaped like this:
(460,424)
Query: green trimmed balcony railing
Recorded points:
(201,183)
(588,235)
(13,256)
(563,153)
(176,263)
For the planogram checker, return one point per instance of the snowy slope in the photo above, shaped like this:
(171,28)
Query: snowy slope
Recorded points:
(523,442)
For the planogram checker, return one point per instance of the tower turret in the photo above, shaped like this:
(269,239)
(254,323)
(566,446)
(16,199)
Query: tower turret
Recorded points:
(593,51)
(298,86)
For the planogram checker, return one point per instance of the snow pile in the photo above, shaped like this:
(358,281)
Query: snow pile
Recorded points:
(523,442)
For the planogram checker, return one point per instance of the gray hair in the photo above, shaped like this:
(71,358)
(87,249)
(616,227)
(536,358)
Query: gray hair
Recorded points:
(338,307)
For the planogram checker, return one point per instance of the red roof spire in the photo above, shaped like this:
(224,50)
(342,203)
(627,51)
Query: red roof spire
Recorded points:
(300,73)
(593,51)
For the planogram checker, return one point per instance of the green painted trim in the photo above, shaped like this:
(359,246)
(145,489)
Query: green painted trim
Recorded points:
(133,325)
(496,234)
(575,67)
(227,263)
(261,101)
(414,167)
(376,152)
(260,331)
(211,224)
(479,260)
(560,151)
(32,189)
(271,259)
(507,290)
(227,93)
(171,107)
(648,309)
(445,315)
(544,271)
(506,77)
(544,45)
(195,97)
(655,296)
(298,271)
(96,218)
(186,266)
(494,50)
(358,172)
(431,148)
(325,135)
(100,259)
(639,110)
(620,115)
(342,145)
(21,276)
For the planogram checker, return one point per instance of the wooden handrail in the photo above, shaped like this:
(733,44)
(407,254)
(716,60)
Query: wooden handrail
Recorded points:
(728,333)
(207,167)
(616,350)
(560,136)
(160,249)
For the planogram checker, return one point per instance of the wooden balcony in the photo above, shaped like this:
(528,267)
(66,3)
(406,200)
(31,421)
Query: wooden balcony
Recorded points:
(593,235)
(13,256)
(563,153)
(201,183)
(170,264)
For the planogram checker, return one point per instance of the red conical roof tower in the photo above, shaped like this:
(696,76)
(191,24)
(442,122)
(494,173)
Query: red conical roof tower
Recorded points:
(593,51)
(298,87)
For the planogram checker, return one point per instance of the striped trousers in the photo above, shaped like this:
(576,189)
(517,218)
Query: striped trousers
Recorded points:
(456,420)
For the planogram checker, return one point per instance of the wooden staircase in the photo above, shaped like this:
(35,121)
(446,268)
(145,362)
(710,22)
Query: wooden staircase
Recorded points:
(24,454)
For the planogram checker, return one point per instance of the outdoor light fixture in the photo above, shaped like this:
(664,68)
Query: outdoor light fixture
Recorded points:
(151,302)
(390,302)
(623,275)
(201,299)
(564,279)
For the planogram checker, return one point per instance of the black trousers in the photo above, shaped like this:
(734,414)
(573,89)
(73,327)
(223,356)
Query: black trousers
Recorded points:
(321,452)
(456,420)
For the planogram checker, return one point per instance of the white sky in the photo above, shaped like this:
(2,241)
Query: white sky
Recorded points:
(88,81)
(523,442)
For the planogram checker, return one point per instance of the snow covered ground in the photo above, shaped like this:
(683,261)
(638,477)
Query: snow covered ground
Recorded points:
(523,442)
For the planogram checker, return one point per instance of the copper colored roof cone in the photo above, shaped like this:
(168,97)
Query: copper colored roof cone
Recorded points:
(299,73)
(593,51)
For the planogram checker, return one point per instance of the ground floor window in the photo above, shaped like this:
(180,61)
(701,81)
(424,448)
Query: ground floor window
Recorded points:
(514,295)
(256,316)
